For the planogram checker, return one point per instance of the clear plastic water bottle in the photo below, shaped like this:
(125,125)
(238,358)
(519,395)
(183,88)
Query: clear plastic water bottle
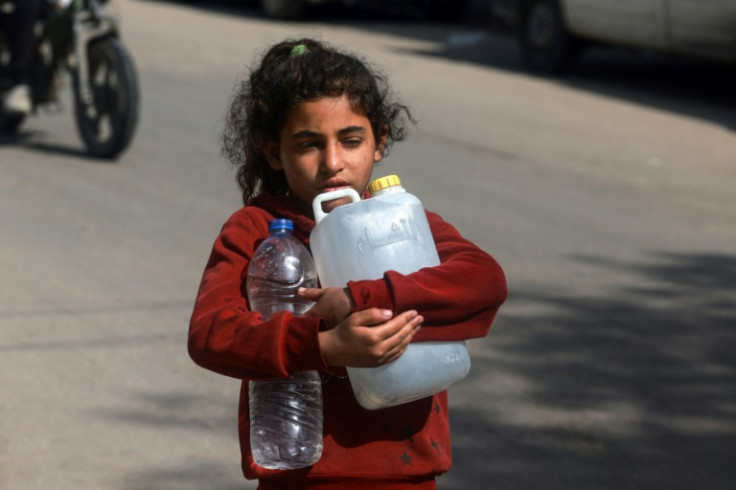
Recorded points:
(285,414)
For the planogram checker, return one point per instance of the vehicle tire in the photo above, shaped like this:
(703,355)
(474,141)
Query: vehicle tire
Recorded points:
(108,129)
(283,9)
(10,123)
(445,10)
(545,43)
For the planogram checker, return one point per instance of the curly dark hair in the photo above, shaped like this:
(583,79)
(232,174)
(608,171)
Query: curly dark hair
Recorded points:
(290,73)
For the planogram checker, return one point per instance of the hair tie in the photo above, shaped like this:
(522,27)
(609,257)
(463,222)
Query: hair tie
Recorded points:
(299,50)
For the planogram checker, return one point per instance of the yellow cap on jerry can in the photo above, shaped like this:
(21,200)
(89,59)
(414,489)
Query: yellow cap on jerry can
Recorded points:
(383,183)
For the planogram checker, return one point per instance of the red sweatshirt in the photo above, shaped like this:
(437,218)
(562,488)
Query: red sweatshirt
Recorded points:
(408,443)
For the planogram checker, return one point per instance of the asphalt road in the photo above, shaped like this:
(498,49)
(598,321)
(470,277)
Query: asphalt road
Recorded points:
(609,197)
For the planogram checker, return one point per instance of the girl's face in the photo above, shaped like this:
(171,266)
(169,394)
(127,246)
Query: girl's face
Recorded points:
(325,146)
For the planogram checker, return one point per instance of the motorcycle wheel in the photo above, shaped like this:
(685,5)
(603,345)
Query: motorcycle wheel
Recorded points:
(108,129)
(9,123)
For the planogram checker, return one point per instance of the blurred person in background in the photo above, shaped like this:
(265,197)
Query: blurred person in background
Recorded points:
(19,28)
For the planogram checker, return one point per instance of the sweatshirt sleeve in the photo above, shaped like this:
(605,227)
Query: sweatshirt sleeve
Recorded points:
(458,298)
(228,338)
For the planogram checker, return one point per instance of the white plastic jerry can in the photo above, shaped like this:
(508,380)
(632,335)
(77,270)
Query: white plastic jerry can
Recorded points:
(363,240)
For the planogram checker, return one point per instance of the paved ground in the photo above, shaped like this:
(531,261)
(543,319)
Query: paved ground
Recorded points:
(608,197)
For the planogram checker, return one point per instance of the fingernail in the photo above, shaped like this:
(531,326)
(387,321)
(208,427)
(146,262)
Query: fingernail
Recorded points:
(387,313)
(301,290)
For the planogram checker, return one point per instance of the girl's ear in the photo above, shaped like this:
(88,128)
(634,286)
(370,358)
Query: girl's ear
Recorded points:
(380,145)
(271,149)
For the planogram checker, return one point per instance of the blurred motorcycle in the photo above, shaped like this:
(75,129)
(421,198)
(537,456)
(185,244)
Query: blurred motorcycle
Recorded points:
(82,38)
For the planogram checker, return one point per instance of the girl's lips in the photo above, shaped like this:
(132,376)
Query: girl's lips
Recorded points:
(333,186)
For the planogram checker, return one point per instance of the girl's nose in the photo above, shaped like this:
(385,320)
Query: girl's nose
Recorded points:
(332,161)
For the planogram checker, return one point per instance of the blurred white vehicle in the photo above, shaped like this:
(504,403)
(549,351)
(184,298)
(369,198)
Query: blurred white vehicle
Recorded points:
(552,33)
(447,10)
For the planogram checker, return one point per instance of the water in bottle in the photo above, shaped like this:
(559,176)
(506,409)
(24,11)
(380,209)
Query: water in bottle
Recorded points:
(280,266)
(285,414)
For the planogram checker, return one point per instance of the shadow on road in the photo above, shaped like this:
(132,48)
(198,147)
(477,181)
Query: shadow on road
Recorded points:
(176,412)
(689,87)
(636,390)
(33,140)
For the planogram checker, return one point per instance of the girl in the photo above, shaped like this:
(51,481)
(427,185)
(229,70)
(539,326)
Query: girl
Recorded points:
(308,120)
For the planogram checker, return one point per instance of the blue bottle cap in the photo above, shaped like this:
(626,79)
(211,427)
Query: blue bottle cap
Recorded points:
(280,224)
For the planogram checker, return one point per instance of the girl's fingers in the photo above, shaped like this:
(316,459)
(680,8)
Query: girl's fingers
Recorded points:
(383,326)
(397,345)
(312,294)
(371,317)
(402,340)
(405,322)
(405,334)
(381,337)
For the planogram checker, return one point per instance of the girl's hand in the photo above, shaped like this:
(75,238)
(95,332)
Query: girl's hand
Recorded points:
(332,304)
(369,338)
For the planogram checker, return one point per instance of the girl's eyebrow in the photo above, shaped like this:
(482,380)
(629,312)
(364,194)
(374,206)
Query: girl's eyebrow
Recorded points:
(351,130)
(306,133)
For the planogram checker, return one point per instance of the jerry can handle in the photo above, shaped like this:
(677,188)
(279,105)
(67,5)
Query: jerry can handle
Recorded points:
(319,214)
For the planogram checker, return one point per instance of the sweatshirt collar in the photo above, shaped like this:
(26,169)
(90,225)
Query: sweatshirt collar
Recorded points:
(285,206)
